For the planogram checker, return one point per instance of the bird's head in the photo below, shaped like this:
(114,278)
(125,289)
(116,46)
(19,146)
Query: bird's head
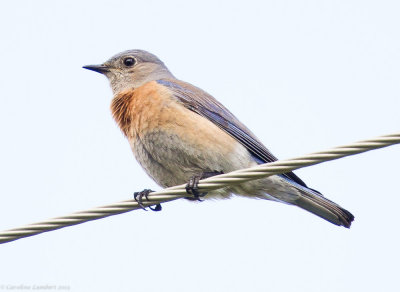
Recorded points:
(131,69)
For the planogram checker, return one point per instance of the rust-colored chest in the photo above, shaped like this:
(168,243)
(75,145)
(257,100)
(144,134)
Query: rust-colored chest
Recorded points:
(140,110)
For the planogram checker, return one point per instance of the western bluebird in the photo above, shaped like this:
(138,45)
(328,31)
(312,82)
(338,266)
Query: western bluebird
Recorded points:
(180,133)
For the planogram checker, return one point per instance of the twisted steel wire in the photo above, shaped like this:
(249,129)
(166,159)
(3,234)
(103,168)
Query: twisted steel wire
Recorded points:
(205,185)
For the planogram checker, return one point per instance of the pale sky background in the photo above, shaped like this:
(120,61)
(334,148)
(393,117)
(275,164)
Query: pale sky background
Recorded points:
(303,75)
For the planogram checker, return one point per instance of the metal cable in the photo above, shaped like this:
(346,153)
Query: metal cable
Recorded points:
(212,183)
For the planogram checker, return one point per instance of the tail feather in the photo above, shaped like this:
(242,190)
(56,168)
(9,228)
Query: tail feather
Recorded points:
(325,209)
(314,202)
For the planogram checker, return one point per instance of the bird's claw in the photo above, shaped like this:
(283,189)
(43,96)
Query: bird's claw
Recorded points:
(192,187)
(138,196)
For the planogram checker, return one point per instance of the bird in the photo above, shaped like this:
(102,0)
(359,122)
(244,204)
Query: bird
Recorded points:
(180,134)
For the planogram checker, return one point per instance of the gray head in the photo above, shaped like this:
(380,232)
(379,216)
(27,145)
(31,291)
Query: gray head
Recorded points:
(131,69)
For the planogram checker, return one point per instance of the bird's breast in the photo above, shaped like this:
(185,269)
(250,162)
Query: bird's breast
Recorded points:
(171,142)
(152,108)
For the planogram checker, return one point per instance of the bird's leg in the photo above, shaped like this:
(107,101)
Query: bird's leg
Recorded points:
(192,187)
(138,196)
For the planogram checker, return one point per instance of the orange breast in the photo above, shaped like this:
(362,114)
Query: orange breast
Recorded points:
(152,108)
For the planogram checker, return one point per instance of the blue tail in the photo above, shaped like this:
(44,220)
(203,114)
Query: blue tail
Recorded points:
(314,202)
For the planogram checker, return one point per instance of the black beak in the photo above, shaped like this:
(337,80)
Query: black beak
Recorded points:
(98,68)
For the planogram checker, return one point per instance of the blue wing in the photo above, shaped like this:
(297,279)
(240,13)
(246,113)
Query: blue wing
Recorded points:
(200,102)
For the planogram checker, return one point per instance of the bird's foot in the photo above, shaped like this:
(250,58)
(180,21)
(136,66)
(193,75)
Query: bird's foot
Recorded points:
(138,196)
(192,187)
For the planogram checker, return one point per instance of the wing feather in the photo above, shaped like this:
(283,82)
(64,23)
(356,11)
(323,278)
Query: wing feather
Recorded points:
(200,102)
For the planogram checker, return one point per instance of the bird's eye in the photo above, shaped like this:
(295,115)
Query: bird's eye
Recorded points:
(129,61)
